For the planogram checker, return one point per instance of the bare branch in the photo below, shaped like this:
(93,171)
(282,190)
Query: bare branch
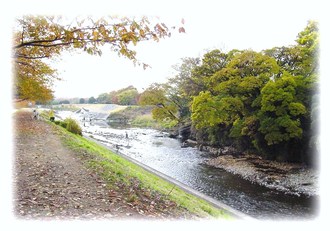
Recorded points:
(31,57)
(31,43)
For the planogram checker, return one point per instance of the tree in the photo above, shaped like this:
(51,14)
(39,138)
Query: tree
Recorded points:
(113,97)
(104,98)
(264,101)
(38,38)
(180,88)
(212,62)
(81,100)
(164,108)
(232,99)
(64,102)
(301,61)
(33,80)
(281,111)
(128,97)
(125,96)
(92,100)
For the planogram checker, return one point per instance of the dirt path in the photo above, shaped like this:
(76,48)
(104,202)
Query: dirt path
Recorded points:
(51,182)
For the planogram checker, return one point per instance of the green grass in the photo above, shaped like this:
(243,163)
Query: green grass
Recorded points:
(145,121)
(116,170)
(141,116)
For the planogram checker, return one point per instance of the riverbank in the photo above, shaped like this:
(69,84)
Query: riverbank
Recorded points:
(185,164)
(62,175)
(295,179)
(291,178)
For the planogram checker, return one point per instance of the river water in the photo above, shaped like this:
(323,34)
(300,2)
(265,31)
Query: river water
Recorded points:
(158,151)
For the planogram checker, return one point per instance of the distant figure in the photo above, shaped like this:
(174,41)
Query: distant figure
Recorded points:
(126,136)
(35,114)
(51,116)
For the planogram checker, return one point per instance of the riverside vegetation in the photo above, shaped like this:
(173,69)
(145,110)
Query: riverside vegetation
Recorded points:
(139,193)
(264,103)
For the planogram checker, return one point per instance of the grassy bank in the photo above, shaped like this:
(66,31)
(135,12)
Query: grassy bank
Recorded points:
(136,184)
(140,116)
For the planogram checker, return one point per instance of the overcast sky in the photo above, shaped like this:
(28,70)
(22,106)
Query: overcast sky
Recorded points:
(225,25)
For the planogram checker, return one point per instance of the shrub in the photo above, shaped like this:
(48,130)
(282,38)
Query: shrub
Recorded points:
(63,124)
(73,126)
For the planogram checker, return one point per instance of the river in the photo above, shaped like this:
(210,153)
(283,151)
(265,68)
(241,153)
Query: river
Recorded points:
(156,150)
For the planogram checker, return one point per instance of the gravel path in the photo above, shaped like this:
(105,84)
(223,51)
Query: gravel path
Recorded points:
(51,182)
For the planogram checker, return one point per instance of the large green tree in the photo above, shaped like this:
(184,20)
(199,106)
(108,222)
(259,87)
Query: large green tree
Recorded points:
(263,101)
(301,61)
(232,100)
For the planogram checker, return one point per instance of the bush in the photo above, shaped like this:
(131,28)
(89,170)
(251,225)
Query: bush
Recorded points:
(63,124)
(73,126)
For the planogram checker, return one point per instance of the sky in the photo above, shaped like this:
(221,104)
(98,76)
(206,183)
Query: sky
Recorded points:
(218,24)
(227,25)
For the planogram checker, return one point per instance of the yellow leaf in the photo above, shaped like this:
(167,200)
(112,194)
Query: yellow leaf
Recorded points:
(95,35)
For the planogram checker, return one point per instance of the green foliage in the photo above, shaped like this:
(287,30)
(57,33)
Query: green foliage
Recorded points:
(201,75)
(81,100)
(64,102)
(103,98)
(281,111)
(128,97)
(164,107)
(144,121)
(72,126)
(231,104)
(92,100)
(205,111)
(124,96)
(61,123)
(301,59)
(262,100)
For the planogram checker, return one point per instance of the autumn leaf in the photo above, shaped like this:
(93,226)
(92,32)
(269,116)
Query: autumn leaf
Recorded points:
(40,37)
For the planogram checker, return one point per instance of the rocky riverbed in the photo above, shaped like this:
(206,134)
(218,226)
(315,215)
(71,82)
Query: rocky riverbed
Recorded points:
(291,178)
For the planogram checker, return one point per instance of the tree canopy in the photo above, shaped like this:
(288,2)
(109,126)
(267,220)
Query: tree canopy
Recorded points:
(261,102)
(125,96)
(39,38)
